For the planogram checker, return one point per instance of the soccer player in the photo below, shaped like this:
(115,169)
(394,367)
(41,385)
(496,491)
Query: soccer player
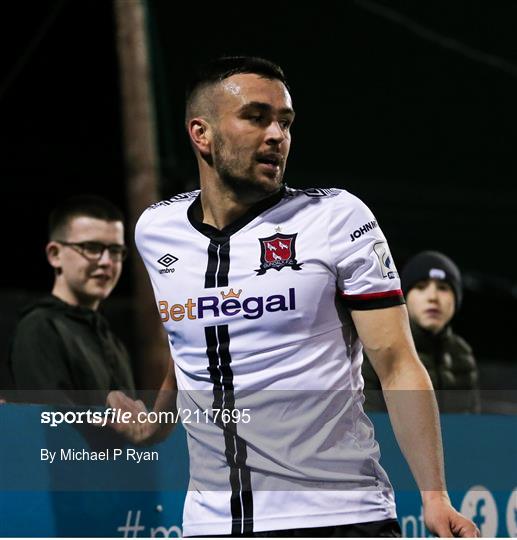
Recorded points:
(268,295)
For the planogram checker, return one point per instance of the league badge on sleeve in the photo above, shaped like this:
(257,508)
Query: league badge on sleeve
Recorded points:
(278,251)
(386,263)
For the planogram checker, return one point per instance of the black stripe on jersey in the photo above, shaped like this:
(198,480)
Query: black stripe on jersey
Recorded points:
(213,365)
(213,264)
(246,494)
(217,376)
(221,375)
(224,264)
(365,302)
(218,265)
(223,338)
(230,429)
(236,452)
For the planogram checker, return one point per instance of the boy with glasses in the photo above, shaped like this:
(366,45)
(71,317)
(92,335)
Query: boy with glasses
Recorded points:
(62,344)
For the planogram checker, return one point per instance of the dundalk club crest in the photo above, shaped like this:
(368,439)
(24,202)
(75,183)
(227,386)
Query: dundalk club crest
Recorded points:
(276,252)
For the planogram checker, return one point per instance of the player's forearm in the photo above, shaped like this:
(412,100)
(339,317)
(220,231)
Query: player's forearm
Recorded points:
(165,403)
(147,427)
(414,416)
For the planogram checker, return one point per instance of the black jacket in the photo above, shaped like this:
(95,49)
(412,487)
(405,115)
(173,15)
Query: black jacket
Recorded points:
(451,365)
(70,353)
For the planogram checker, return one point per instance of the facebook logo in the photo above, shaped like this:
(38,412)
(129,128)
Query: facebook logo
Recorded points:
(479,506)
(478,518)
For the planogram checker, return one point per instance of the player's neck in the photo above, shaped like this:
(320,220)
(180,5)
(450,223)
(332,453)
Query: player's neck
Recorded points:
(220,213)
(220,207)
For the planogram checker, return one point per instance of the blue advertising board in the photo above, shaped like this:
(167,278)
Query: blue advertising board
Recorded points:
(141,493)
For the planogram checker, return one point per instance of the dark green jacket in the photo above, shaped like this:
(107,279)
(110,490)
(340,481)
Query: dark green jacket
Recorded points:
(450,364)
(70,353)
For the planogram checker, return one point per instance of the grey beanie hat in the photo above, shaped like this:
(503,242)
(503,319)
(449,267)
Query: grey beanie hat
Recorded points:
(432,265)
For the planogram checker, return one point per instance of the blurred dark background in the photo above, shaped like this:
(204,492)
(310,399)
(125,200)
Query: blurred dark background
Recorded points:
(409,105)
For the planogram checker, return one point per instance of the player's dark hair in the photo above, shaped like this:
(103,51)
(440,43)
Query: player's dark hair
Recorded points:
(221,68)
(81,205)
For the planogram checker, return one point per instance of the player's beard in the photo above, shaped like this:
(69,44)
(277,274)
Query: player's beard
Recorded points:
(237,171)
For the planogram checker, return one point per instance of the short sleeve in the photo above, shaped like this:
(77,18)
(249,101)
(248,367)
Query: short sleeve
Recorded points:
(366,274)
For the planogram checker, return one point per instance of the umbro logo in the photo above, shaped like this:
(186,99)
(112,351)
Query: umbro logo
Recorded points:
(167,260)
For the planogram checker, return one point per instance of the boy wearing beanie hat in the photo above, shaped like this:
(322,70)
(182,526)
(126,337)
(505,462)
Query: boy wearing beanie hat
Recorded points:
(432,285)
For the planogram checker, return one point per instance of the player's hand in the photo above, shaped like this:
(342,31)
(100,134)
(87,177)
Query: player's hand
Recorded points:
(138,430)
(444,521)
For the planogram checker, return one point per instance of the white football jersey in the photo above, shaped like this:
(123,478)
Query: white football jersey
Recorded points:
(266,352)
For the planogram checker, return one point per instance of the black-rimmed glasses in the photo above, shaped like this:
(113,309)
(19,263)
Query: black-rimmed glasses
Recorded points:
(93,251)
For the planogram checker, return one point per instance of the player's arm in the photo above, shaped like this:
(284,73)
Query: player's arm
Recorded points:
(413,412)
(141,431)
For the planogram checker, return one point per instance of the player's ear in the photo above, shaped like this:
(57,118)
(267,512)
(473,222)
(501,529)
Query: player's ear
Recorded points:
(200,133)
(53,251)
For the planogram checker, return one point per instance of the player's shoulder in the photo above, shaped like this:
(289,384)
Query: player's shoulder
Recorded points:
(186,197)
(338,198)
(311,193)
(167,207)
